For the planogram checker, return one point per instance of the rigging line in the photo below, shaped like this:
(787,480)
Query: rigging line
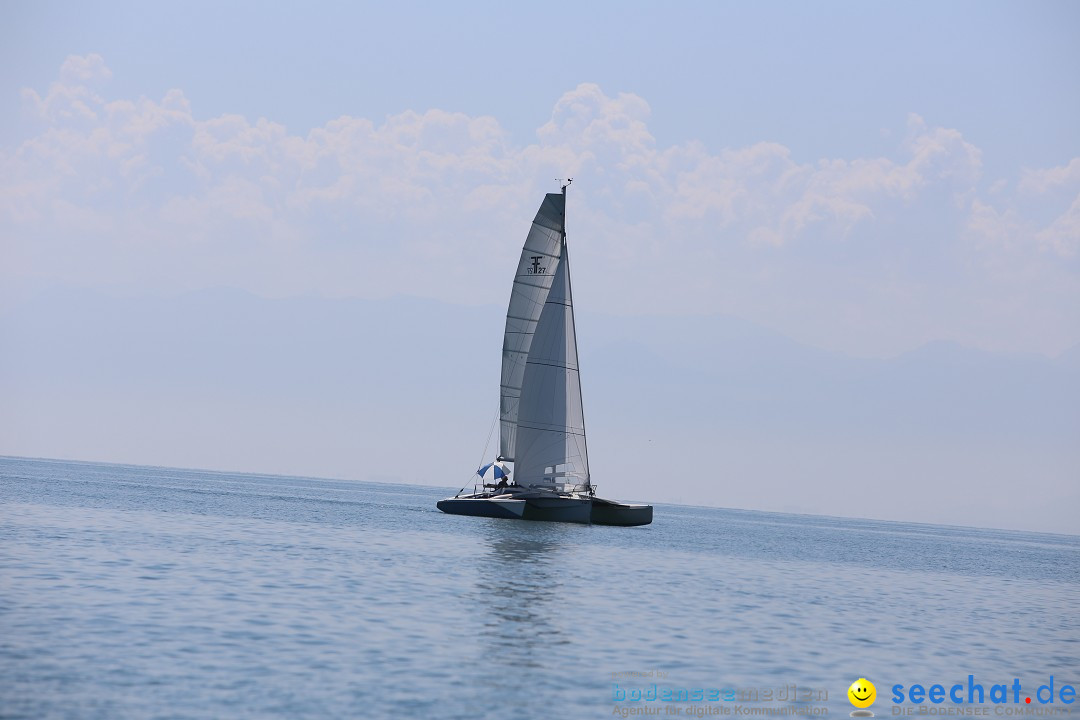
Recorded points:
(490,431)
(486,444)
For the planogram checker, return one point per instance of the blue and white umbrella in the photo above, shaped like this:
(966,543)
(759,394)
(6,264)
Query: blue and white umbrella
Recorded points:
(493,471)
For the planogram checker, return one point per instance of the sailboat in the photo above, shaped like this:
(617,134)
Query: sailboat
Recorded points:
(542,423)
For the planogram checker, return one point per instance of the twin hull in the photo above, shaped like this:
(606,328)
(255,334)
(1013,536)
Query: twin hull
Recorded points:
(553,509)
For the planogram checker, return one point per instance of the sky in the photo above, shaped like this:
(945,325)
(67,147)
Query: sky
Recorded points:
(861,179)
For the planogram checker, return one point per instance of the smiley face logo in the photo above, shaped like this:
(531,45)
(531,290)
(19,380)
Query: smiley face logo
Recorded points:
(862,693)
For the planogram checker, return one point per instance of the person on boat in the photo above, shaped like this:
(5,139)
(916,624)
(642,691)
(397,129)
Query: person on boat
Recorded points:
(502,484)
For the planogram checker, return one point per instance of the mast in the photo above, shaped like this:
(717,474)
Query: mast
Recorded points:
(569,284)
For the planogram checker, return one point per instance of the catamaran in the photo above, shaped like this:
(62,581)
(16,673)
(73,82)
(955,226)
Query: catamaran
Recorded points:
(542,422)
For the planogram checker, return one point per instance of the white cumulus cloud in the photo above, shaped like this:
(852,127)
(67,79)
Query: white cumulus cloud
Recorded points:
(147,195)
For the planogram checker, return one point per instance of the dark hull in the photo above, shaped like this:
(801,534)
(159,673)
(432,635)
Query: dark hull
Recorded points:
(476,508)
(573,510)
(607,512)
(551,509)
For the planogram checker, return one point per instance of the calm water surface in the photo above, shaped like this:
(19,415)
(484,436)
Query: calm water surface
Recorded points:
(139,592)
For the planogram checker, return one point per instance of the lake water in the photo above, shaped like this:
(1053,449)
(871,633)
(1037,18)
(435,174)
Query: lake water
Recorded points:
(140,592)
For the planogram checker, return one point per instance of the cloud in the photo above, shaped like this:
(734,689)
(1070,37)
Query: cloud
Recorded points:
(1063,235)
(145,194)
(84,69)
(71,96)
(1041,181)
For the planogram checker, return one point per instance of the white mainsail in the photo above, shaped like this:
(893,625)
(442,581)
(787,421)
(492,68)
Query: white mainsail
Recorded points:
(551,425)
(535,272)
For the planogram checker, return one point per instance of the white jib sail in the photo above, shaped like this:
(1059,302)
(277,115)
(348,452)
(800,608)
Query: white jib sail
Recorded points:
(535,272)
(550,424)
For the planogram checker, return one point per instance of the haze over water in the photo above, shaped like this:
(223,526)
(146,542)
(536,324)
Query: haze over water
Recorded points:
(137,592)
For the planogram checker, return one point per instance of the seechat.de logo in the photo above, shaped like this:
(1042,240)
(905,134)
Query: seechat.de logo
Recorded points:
(973,693)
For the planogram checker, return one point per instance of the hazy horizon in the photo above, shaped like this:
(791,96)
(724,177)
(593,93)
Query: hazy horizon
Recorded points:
(706,410)
(235,472)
